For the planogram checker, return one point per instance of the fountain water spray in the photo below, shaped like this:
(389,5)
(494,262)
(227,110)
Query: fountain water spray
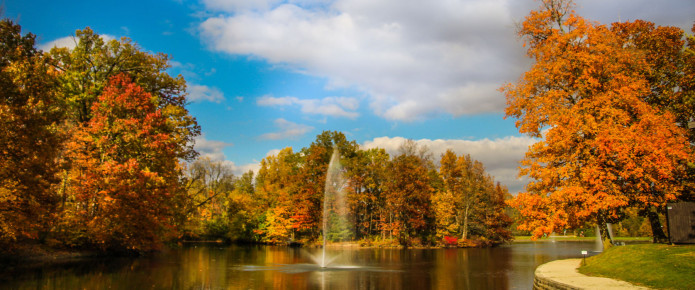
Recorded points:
(333,193)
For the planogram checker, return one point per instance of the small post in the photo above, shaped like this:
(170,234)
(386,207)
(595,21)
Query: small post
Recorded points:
(584,254)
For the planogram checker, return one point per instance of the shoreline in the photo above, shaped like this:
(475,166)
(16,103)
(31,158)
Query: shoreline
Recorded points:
(32,256)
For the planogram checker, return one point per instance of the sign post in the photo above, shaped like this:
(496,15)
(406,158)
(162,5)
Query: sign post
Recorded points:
(584,254)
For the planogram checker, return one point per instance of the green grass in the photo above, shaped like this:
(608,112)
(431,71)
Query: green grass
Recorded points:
(652,265)
(523,239)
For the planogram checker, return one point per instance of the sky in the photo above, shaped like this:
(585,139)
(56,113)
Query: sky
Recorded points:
(263,75)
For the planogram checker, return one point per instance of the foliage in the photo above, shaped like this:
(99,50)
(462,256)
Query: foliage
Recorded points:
(605,146)
(125,171)
(30,113)
(390,201)
(407,199)
(208,185)
(479,206)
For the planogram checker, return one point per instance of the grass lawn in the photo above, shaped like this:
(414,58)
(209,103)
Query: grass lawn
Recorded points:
(652,265)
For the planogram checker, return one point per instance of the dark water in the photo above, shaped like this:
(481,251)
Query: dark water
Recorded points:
(211,266)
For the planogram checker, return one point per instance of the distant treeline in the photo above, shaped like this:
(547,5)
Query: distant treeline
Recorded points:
(390,200)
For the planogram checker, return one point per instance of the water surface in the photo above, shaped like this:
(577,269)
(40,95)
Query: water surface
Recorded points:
(212,266)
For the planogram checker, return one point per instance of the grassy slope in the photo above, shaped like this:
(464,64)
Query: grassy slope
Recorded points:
(652,265)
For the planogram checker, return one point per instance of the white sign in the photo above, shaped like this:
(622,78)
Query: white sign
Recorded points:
(584,252)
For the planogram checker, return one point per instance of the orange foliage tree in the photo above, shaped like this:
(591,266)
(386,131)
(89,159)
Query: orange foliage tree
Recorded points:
(408,195)
(275,186)
(125,171)
(29,140)
(604,146)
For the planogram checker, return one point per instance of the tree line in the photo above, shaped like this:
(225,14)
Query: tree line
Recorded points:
(389,200)
(97,153)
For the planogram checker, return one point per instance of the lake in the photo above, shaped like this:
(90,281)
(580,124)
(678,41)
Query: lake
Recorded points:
(214,266)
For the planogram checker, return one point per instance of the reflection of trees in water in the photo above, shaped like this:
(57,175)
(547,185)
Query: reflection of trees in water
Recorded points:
(196,266)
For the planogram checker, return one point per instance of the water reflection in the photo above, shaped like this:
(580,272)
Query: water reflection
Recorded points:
(267,267)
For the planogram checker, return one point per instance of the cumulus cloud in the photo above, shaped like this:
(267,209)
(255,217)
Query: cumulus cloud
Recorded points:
(413,59)
(329,106)
(69,42)
(198,93)
(288,130)
(500,156)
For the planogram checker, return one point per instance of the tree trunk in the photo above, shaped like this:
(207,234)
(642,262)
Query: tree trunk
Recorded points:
(603,228)
(390,226)
(657,231)
(465,223)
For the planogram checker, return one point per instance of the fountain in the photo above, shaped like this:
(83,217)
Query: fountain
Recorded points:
(333,200)
(333,220)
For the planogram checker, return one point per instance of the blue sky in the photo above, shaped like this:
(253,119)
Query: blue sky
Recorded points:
(267,74)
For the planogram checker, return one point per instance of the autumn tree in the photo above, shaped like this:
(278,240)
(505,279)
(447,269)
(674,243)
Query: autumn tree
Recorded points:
(30,113)
(667,58)
(275,186)
(494,221)
(603,145)
(208,185)
(407,196)
(85,70)
(84,73)
(244,209)
(367,177)
(125,173)
(309,201)
(470,202)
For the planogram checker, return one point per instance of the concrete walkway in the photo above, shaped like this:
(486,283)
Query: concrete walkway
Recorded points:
(562,274)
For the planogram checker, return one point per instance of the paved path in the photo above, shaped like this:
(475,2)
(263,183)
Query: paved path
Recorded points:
(562,274)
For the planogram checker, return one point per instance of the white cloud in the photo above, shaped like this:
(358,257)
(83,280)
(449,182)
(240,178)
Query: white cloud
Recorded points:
(288,130)
(197,93)
(269,100)
(413,59)
(329,106)
(500,156)
(69,42)
(272,152)
(241,169)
